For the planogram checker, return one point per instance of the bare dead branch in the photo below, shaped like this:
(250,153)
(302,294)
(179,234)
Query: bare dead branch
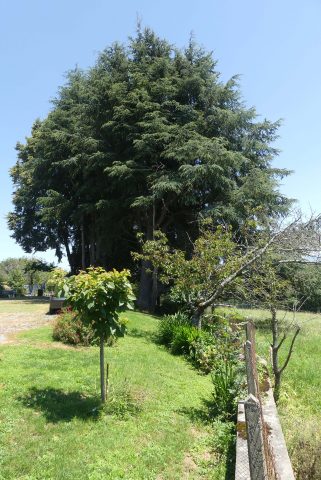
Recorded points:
(281,342)
(290,350)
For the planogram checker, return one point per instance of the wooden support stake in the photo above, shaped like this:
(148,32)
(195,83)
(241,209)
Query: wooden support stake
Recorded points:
(107,380)
(250,369)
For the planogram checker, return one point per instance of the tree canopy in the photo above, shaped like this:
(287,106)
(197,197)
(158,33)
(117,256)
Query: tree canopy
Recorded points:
(147,139)
(16,273)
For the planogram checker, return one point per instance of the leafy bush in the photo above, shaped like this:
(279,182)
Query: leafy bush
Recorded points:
(223,444)
(170,305)
(223,438)
(70,329)
(55,281)
(168,325)
(227,388)
(220,340)
(183,338)
(204,352)
(234,316)
(177,333)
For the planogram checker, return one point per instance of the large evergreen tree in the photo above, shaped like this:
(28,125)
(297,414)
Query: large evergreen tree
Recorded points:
(149,138)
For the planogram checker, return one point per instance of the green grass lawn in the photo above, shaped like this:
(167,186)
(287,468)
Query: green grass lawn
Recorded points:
(26,305)
(300,402)
(51,426)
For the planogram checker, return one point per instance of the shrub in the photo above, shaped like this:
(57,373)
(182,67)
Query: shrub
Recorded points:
(204,352)
(227,388)
(223,444)
(223,438)
(170,305)
(234,316)
(70,329)
(55,281)
(183,338)
(168,325)
(219,341)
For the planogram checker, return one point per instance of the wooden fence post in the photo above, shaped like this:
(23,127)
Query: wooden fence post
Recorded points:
(250,332)
(253,416)
(252,384)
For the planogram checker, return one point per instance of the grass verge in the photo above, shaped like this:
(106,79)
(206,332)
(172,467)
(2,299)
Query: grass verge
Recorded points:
(300,401)
(155,426)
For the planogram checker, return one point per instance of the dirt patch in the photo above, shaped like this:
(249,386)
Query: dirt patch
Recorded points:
(12,323)
(189,466)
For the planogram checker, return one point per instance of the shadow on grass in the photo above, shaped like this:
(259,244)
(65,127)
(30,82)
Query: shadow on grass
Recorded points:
(137,333)
(206,414)
(26,300)
(230,460)
(59,406)
(203,414)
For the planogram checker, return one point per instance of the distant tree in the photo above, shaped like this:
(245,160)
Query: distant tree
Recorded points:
(37,271)
(19,272)
(9,264)
(16,280)
(306,283)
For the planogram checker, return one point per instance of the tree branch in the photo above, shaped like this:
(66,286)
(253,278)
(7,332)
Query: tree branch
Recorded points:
(258,252)
(281,342)
(290,351)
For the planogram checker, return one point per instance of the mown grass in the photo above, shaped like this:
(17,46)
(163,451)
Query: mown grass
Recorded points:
(51,426)
(24,305)
(300,402)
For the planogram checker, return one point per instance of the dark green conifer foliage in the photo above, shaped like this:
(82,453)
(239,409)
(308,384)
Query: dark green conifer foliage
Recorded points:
(149,138)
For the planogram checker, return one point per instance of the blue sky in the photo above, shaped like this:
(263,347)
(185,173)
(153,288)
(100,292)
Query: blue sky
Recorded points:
(273,44)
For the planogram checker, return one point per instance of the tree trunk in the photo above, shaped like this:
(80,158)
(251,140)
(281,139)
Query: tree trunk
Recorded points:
(92,242)
(275,354)
(144,300)
(146,284)
(277,386)
(83,251)
(197,318)
(102,370)
(154,292)
(69,256)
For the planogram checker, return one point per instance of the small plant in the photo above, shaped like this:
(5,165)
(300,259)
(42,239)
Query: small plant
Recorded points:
(227,388)
(122,402)
(70,329)
(219,341)
(204,352)
(224,437)
(100,297)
